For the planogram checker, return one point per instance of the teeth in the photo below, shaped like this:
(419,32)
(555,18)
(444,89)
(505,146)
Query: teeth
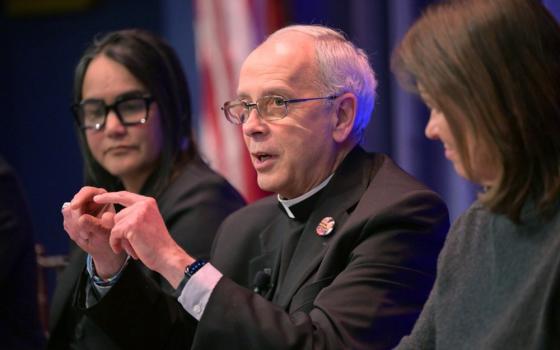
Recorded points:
(263,157)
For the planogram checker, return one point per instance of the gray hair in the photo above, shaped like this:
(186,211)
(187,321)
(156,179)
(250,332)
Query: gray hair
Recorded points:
(342,67)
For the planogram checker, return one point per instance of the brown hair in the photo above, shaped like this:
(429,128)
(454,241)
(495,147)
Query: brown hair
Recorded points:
(493,66)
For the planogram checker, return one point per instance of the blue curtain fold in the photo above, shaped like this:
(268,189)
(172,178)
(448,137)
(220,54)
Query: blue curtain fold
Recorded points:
(399,118)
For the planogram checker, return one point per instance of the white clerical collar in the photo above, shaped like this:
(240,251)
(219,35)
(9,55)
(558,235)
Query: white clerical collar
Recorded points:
(287,203)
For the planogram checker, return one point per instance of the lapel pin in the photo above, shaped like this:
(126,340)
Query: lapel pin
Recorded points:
(325,227)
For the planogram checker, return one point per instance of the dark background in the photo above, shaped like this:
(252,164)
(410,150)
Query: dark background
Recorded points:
(39,53)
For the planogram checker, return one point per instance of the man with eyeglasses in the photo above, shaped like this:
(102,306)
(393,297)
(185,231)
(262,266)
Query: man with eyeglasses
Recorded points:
(343,257)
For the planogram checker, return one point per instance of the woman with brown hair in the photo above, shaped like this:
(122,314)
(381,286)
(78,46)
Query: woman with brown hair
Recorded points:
(489,70)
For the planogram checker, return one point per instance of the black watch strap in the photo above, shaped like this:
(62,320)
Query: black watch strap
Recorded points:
(190,270)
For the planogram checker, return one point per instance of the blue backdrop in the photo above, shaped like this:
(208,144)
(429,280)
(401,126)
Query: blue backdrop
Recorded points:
(39,53)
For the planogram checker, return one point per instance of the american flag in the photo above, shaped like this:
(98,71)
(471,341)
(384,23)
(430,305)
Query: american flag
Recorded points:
(226,31)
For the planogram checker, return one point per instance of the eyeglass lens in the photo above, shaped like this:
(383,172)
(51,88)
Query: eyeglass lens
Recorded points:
(268,107)
(93,114)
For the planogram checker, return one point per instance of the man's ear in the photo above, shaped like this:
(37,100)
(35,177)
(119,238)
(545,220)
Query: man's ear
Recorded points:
(345,114)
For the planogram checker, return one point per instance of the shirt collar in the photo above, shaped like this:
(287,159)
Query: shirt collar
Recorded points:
(287,203)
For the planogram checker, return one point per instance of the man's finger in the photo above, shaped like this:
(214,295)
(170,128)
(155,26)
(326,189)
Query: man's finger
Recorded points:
(123,198)
(128,248)
(85,195)
(108,220)
(115,240)
(93,224)
(66,213)
(116,245)
(70,222)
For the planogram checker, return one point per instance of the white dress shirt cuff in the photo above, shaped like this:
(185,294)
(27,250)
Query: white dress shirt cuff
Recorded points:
(197,290)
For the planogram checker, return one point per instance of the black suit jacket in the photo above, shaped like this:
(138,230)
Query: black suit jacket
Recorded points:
(192,206)
(360,287)
(19,321)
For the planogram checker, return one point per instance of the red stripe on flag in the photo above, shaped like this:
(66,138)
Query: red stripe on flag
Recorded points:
(224,44)
(226,32)
(210,114)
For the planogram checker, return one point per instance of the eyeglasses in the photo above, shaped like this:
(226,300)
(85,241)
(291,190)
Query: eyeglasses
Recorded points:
(268,108)
(131,110)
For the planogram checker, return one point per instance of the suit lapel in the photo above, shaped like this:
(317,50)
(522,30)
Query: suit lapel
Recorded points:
(65,286)
(270,241)
(339,197)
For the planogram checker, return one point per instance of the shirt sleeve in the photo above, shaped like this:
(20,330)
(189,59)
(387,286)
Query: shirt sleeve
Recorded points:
(98,288)
(197,290)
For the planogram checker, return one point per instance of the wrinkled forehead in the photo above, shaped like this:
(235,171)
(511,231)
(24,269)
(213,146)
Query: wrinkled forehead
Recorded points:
(284,61)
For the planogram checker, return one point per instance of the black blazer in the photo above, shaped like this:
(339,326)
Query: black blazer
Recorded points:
(19,321)
(192,206)
(360,287)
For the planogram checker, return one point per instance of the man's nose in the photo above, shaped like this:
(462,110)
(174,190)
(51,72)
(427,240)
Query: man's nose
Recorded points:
(254,123)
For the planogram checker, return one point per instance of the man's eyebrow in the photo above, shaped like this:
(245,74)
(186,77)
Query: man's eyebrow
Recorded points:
(273,91)
(277,92)
(243,96)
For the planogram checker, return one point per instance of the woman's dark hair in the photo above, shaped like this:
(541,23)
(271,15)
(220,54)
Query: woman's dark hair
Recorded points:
(155,64)
(493,66)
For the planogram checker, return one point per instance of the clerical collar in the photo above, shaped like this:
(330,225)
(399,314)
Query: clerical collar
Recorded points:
(287,203)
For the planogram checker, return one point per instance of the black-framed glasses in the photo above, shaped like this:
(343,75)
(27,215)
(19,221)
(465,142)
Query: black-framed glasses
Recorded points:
(268,108)
(131,110)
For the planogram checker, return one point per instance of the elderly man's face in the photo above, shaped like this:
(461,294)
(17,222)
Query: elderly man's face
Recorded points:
(296,153)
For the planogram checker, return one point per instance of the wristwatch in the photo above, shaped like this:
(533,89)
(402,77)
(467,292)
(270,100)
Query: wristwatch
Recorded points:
(190,270)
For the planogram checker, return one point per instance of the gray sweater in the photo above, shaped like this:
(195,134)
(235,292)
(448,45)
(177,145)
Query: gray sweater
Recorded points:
(498,286)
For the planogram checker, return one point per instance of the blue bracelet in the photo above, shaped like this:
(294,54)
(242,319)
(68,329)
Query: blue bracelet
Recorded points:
(190,270)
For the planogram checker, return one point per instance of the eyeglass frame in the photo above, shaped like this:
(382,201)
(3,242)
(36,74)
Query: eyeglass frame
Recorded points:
(250,105)
(148,100)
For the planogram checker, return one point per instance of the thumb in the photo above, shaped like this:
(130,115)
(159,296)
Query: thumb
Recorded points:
(108,220)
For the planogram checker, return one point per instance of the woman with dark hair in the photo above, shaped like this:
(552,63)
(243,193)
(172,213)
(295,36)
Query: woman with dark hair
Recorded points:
(489,70)
(133,120)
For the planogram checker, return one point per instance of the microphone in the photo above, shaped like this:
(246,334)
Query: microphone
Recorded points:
(261,283)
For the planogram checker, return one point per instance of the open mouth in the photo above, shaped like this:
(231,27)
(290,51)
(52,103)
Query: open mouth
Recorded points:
(261,157)
(262,160)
